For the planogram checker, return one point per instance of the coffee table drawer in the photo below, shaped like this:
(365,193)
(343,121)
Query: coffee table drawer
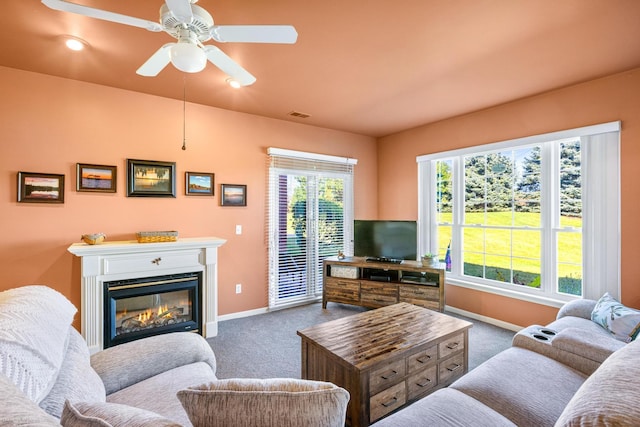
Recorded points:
(387,400)
(420,360)
(451,346)
(386,376)
(422,382)
(451,368)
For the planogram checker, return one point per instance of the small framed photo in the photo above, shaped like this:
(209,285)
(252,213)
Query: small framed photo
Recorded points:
(199,184)
(97,178)
(150,178)
(40,187)
(233,195)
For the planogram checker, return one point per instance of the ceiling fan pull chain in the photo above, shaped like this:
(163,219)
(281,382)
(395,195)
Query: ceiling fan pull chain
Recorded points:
(184,113)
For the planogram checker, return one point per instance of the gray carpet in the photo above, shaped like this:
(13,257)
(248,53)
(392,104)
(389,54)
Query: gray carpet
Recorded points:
(267,346)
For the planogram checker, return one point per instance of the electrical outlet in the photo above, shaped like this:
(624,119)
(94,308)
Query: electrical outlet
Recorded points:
(238,229)
(238,288)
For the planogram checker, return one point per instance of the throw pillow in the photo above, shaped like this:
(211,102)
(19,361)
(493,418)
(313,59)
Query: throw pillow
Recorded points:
(276,402)
(34,331)
(623,322)
(16,409)
(77,381)
(101,414)
(608,397)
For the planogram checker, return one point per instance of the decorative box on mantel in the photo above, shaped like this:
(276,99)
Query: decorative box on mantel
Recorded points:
(123,260)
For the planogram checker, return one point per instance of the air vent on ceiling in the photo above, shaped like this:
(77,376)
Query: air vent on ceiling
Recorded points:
(299,114)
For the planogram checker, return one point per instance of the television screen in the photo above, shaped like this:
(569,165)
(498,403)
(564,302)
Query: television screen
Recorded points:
(385,239)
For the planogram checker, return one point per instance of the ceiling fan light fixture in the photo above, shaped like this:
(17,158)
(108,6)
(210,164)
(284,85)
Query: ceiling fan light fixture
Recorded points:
(188,57)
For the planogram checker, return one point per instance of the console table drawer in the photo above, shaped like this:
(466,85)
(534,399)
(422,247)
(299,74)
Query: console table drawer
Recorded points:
(431,305)
(451,346)
(419,292)
(378,294)
(420,360)
(451,368)
(388,400)
(342,290)
(386,376)
(422,382)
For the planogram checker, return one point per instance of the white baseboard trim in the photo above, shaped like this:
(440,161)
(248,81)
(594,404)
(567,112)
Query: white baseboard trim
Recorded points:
(469,314)
(242,314)
(485,319)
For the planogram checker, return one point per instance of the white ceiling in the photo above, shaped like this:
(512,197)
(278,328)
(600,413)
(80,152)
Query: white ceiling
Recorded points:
(372,67)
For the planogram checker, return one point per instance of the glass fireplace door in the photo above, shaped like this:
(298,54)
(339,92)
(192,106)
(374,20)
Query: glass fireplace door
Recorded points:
(138,308)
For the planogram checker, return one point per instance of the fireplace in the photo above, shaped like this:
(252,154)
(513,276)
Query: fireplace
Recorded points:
(137,308)
(130,262)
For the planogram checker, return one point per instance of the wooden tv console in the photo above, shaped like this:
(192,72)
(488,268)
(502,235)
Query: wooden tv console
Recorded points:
(354,280)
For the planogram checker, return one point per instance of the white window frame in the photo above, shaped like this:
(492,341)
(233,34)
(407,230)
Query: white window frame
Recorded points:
(601,214)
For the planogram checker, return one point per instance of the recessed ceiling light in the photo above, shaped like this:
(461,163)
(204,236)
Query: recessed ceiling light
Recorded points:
(75,43)
(233,83)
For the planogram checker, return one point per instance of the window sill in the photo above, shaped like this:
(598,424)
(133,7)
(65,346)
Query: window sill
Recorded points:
(523,296)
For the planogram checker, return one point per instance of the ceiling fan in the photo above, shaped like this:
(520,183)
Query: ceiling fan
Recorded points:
(191,25)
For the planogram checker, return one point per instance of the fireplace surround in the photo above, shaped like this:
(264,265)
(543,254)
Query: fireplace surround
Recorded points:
(130,261)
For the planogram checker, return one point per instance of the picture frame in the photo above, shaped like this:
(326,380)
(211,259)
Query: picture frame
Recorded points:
(40,187)
(233,195)
(199,183)
(151,178)
(96,178)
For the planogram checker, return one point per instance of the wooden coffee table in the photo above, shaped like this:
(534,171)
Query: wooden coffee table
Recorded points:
(387,357)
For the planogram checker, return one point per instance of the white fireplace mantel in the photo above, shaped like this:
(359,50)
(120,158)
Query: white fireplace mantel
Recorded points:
(121,260)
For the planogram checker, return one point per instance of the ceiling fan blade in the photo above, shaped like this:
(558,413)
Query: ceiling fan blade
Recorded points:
(181,9)
(229,66)
(65,6)
(254,33)
(156,62)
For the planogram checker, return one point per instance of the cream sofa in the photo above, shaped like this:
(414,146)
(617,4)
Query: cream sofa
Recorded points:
(571,372)
(46,362)
(48,378)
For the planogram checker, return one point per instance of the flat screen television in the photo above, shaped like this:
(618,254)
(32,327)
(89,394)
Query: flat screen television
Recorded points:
(385,240)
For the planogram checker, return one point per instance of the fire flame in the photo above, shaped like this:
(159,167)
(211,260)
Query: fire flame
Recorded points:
(146,316)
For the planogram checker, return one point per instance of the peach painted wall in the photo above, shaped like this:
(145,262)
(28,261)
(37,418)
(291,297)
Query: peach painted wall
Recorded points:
(607,99)
(49,124)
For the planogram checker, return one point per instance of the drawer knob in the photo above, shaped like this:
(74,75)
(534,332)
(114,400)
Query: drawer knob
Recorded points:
(390,375)
(156,261)
(453,367)
(453,345)
(423,359)
(390,402)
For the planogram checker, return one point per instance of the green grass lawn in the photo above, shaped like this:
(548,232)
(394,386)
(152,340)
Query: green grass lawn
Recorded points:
(503,251)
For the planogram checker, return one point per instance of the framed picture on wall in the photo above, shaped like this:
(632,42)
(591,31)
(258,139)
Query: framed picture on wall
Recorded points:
(150,178)
(40,187)
(233,195)
(96,178)
(199,183)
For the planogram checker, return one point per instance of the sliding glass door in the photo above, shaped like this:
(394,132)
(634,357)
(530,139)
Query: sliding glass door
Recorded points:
(310,219)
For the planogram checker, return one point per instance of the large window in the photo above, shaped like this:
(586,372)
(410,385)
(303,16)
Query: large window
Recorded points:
(518,217)
(310,218)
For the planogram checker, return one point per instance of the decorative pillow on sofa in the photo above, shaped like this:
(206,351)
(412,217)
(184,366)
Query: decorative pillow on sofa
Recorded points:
(608,397)
(76,381)
(16,409)
(34,331)
(623,322)
(276,402)
(101,414)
